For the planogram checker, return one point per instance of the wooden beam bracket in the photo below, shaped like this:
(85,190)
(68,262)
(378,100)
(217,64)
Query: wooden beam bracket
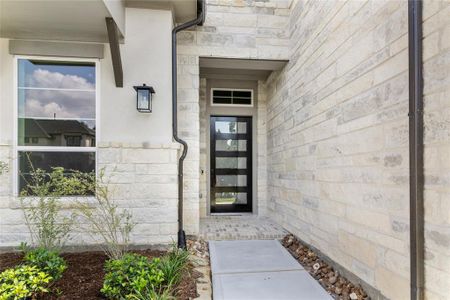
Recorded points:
(113,36)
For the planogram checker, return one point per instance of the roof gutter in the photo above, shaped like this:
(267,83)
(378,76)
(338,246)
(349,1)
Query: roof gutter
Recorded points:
(201,13)
(416,174)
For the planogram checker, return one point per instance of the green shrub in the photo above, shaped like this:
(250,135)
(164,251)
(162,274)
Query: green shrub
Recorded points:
(48,261)
(173,265)
(23,282)
(105,221)
(3,167)
(132,277)
(48,224)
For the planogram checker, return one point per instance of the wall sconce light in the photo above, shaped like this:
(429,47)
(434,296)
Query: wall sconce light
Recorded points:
(144,98)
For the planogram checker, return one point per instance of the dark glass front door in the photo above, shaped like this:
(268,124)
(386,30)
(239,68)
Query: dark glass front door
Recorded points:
(231,164)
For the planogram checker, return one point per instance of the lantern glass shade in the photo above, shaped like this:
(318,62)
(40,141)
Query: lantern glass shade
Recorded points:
(144,98)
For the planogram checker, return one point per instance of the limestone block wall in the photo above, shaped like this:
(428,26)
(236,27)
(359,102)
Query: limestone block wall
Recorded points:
(436,56)
(141,178)
(244,29)
(337,137)
(189,130)
(261,160)
(203,150)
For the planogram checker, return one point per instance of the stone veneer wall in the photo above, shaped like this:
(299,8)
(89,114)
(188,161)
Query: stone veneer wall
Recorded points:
(203,151)
(436,56)
(338,139)
(234,29)
(142,178)
(261,160)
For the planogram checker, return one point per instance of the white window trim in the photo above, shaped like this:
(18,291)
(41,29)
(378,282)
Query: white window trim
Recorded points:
(231,105)
(17,148)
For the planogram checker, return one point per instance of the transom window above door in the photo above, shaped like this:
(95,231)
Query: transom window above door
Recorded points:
(231,97)
(56,117)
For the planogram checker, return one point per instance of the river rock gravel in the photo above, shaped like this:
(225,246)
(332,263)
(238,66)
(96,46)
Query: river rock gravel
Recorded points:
(333,282)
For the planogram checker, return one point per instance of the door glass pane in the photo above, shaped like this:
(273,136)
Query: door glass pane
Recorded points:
(242,127)
(231,162)
(231,145)
(227,198)
(231,180)
(231,127)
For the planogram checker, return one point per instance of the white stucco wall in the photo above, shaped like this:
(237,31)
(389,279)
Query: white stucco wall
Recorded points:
(146,58)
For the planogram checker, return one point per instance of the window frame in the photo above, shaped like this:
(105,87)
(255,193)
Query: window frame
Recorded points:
(17,148)
(231,104)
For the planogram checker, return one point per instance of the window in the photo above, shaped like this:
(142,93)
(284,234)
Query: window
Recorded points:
(56,116)
(73,141)
(234,97)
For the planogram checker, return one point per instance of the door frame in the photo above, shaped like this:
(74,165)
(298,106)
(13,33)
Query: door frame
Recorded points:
(231,111)
(247,208)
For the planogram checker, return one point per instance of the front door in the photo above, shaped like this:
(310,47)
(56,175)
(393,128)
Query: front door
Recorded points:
(231,164)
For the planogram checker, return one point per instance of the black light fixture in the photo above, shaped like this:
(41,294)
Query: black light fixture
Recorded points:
(144,98)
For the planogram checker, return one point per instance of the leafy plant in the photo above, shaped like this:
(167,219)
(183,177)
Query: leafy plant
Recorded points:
(132,277)
(107,221)
(173,265)
(3,167)
(49,227)
(48,261)
(23,282)
(159,294)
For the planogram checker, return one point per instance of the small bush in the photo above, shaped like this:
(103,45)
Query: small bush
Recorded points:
(3,167)
(23,282)
(48,261)
(173,265)
(106,221)
(132,277)
(49,227)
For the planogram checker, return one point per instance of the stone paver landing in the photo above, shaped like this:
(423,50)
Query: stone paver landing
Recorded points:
(246,227)
(259,269)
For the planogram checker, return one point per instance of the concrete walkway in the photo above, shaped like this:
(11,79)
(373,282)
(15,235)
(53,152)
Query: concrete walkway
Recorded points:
(259,269)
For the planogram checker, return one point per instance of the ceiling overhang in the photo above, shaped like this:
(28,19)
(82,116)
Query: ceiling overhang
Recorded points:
(240,69)
(183,10)
(62,20)
(75,20)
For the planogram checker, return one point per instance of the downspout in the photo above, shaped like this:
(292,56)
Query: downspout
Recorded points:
(201,12)
(416,174)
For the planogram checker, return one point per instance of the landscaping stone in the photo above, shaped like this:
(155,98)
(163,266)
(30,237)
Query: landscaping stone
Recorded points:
(199,257)
(333,282)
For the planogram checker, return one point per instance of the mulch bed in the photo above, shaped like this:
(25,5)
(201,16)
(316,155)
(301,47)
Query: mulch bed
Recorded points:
(332,281)
(83,278)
